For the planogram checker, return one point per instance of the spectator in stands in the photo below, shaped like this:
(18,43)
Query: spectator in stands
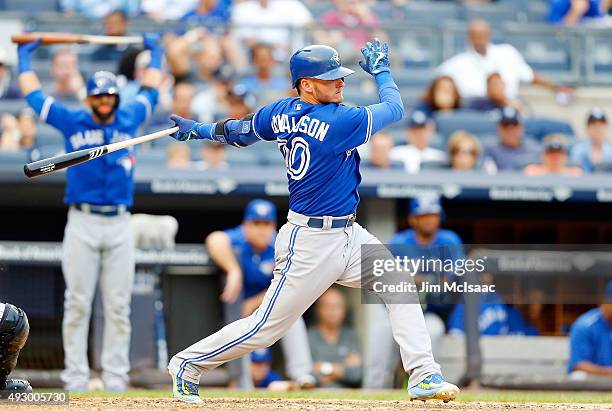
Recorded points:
(334,346)
(464,149)
(514,150)
(182,98)
(597,148)
(554,159)
(261,369)
(68,86)
(265,82)
(380,153)
(496,98)
(348,26)
(570,12)
(9,139)
(115,24)
(214,157)
(8,87)
(163,10)
(419,133)
(277,22)
(440,96)
(239,103)
(591,340)
(213,98)
(471,68)
(26,120)
(210,50)
(178,156)
(213,15)
(96,9)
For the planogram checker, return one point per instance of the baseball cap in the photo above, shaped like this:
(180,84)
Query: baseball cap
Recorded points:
(417,119)
(261,355)
(260,210)
(596,114)
(510,115)
(425,204)
(555,142)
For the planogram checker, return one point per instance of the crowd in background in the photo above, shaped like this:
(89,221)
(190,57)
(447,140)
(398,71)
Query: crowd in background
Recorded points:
(230,58)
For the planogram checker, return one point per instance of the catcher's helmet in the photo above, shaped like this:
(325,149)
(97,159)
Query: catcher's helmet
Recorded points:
(102,82)
(317,61)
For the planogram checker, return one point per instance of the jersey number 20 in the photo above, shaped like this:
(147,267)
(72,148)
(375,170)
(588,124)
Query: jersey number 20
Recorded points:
(297,157)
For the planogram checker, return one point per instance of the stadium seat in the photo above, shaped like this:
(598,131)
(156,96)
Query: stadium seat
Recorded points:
(495,14)
(432,13)
(31,6)
(151,157)
(237,156)
(417,49)
(602,56)
(539,127)
(13,157)
(11,106)
(48,135)
(544,51)
(475,122)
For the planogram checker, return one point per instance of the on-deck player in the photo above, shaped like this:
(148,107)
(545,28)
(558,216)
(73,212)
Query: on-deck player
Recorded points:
(321,242)
(246,254)
(98,243)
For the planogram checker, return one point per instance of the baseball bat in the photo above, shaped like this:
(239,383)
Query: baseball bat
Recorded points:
(48,165)
(67,38)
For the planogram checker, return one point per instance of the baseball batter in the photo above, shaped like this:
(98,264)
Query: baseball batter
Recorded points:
(321,243)
(98,244)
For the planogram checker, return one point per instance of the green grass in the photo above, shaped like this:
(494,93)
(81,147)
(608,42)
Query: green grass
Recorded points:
(391,395)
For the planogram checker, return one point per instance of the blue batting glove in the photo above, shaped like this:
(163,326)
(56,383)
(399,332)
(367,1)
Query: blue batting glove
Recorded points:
(187,128)
(152,42)
(23,52)
(376,58)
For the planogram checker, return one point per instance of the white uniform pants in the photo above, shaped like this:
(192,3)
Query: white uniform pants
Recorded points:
(307,262)
(97,249)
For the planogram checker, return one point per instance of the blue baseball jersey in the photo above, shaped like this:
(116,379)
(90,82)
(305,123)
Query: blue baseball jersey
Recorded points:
(107,180)
(445,245)
(318,143)
(257,268)
(590,340)
(270,378)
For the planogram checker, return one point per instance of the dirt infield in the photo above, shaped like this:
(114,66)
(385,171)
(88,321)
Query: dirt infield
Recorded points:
(128,403)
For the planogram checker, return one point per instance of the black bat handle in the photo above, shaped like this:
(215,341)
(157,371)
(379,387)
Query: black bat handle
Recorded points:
(48,165)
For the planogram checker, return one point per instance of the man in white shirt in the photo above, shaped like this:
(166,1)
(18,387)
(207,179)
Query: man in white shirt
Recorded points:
(471,68)
(277,22)
(419,133)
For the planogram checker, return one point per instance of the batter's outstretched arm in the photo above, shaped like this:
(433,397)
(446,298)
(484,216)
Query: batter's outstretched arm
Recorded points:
(238,133)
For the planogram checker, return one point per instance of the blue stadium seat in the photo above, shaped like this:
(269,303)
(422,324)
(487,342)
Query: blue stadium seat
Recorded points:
(11,106)
(31,6)
(50,150)
(495,14)
(151,157)
(433,13)
(417,49)
(48,135)
(545,52)
(602,56)
(539,127)
(237,156)
(475,122)
(13,158)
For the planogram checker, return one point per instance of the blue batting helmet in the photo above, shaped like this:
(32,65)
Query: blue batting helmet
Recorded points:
(317,61)
(102,82)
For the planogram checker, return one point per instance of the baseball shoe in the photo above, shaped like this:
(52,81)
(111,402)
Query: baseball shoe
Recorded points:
(306,382)
(184,390)
(434,387)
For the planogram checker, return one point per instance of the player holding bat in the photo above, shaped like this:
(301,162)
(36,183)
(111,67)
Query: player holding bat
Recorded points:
(98,244)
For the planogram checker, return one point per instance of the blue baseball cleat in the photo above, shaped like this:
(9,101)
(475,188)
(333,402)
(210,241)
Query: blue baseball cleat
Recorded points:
(184,390)
(434,387)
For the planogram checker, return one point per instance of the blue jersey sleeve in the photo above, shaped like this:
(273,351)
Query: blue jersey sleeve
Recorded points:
(262,122)
(236,236)
(581,348)
(50,111)
(359,123)
(142,107)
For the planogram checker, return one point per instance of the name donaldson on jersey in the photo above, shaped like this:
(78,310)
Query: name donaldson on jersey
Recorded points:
(315,128)
(95,137)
